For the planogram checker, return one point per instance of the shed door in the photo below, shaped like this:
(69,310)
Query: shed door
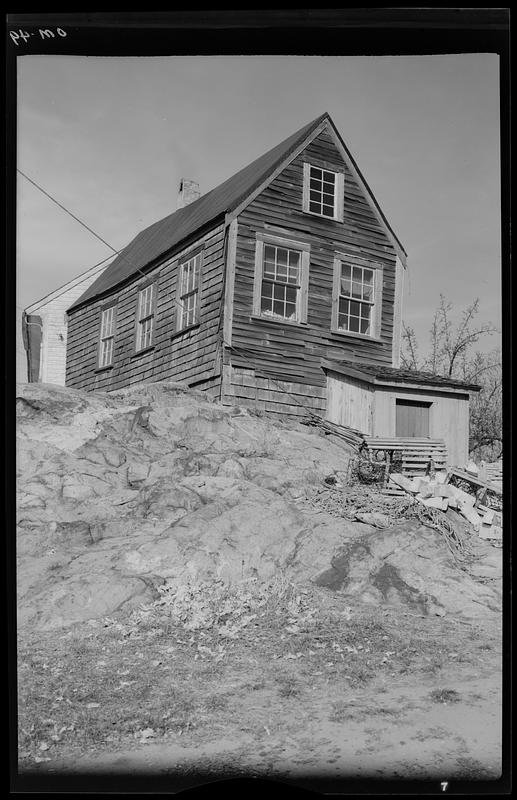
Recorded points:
(412,419)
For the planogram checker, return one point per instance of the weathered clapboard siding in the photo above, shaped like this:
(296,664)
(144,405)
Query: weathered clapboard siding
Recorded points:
(244,387)
(190,357)
(293,352)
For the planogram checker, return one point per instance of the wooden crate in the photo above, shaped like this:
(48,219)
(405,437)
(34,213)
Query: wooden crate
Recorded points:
(415,453)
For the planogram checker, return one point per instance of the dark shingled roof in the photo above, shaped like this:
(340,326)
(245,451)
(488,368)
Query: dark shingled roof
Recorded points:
(380,374)
(162,236)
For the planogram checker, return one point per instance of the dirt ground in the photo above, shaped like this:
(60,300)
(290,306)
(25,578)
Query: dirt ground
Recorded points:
(351,693)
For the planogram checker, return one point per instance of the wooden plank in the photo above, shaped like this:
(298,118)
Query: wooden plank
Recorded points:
(467,476)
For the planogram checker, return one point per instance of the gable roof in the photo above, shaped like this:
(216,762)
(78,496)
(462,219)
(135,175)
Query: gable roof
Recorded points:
(160,238)
(89,274)
(382,375)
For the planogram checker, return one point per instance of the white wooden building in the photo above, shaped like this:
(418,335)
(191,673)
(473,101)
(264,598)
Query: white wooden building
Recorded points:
(44,330)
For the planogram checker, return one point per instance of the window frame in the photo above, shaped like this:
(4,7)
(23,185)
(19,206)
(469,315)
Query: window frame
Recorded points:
(376,304)
(151,315)
(303,248)
(103,337)
(339,191)
(180,310)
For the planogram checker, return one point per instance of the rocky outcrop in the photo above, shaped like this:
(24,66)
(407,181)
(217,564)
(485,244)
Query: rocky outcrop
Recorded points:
(118,493)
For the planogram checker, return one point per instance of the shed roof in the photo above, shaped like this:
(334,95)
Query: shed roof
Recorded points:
(162,236)
(379,374)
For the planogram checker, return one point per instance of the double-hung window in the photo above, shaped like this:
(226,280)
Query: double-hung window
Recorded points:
(356,306)
(145,318)
(323,192)
(107,337)
(281,277)
(189,295)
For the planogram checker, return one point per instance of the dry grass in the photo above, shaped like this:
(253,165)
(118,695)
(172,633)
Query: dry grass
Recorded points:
(178,669)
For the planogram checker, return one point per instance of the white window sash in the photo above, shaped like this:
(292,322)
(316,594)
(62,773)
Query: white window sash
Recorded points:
(338,191)
(107,335)
(146,313)
(189,283)
(301,295)
(375,305)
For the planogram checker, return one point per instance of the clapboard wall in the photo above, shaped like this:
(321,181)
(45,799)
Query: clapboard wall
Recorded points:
(290,352)
(350,402)
(192,356)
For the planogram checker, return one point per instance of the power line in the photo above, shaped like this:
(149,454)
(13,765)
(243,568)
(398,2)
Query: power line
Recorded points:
(66,210)
(117,252)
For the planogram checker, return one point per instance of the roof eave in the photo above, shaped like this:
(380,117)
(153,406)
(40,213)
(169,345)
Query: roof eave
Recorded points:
(373,380)
(152,265)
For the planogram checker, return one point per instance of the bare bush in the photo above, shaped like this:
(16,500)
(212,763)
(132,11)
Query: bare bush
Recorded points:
(452,353)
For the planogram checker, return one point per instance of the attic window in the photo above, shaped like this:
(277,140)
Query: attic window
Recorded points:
(146,312)
(281,276)
(107,337)
(189,282)
(323,192)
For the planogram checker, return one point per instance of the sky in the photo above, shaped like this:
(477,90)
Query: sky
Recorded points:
(110,139)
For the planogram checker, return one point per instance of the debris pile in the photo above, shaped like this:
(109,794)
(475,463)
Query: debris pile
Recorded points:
(368,505)
(493,473)
(360,503)
(442,492)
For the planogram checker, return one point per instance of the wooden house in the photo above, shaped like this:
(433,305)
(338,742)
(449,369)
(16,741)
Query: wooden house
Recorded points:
(280,289)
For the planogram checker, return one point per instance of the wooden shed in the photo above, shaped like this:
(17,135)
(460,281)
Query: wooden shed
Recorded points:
(385,402)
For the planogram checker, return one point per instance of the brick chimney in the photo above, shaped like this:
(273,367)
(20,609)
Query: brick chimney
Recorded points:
(188,192)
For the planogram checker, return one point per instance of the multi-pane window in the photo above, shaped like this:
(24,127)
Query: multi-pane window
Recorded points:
(189,291)
(144,336)
(323,191)
(107,337)
(356,299)
(281,282)
(281,278)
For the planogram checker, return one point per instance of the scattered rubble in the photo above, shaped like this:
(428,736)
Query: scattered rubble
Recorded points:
(440,494)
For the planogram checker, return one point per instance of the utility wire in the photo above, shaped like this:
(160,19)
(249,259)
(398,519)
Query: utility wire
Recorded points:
(116,252)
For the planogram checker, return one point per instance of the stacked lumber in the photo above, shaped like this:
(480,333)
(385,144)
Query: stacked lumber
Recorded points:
(440,494)
(416,453)
(350,435)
